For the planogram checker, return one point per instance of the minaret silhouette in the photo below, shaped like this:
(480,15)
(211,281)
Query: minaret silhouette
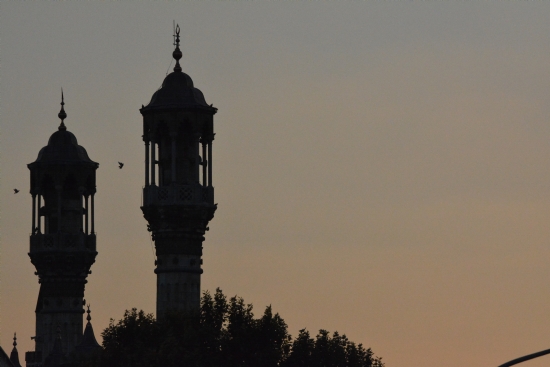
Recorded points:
(178,197)
(63,240)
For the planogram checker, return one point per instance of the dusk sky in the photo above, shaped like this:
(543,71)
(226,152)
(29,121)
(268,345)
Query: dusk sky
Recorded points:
(381,168)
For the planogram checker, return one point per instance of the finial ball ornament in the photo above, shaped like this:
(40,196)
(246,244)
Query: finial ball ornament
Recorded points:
(62,115)
(177,54)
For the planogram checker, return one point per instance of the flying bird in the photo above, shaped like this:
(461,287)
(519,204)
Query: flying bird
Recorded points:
(120,165)
(15,191)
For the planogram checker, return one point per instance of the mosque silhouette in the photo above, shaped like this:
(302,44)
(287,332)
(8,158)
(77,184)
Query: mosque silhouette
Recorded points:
(178,203)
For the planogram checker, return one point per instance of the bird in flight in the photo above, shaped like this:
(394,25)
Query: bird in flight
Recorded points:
(120,165)
(15,191)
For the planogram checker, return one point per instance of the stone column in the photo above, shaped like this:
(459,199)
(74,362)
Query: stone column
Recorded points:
(173,138)
(58,188)
(92,221)
(204,163)
(210,163)
(33,213)
(86,214)
(147,163)
(153,163)
(196,152)
(39,216)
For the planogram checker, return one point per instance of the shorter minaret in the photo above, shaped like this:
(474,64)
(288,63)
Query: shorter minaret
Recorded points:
(63,240)
(14,355)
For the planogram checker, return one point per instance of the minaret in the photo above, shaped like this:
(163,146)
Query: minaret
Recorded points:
(63,241)
(178,197)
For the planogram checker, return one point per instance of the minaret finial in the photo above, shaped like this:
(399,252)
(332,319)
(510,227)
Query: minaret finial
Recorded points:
(14,340)
(177,52)
(62,115)
(89,318)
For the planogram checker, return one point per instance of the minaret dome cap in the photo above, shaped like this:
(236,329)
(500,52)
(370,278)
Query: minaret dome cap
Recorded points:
(63,146)
(177,90)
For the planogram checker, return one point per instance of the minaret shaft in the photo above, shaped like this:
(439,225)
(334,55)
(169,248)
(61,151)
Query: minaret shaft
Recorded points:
(178,210)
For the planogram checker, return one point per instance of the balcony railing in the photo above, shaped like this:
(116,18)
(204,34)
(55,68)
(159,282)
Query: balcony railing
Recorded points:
(178,195)
(63,241)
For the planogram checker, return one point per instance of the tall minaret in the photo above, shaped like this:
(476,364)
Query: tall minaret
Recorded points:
(63,241)
(178,197)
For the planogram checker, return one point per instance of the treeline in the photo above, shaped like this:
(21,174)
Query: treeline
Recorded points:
(225,333)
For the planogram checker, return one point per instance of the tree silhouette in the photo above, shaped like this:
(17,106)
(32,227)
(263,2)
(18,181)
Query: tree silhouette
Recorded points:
(224,333)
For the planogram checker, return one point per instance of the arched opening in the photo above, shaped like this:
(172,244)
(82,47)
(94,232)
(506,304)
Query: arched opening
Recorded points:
(49,210)
(71,206)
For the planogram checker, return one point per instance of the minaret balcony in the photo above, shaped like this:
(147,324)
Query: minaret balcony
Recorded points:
(177,194)
(62,241)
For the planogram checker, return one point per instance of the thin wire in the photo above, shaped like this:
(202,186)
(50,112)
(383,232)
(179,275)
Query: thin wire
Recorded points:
(174,43)
(174,30)
(169,66)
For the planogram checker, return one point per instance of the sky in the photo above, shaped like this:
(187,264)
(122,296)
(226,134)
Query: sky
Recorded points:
(381,168)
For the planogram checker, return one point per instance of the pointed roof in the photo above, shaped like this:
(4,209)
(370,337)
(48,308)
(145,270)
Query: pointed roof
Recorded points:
(14,356)
(89,341)
(4,359)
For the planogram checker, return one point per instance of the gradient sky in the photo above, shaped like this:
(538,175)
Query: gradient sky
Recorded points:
(381,168)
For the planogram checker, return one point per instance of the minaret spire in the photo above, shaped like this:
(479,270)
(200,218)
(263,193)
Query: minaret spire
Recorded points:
(62,115)
(177,52)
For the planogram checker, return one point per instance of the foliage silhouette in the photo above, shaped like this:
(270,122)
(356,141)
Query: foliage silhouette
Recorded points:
(224,333)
